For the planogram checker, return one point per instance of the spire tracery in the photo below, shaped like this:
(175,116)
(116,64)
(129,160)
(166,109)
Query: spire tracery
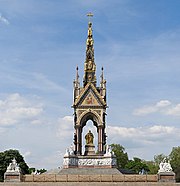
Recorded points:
(89,65)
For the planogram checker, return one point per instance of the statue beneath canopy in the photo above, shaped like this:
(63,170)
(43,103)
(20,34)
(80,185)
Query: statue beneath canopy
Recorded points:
(89,138)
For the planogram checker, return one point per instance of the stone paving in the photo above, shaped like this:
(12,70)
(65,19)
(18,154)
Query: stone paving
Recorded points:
(89,184)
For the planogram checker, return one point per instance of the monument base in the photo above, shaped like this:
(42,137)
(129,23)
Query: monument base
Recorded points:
(12,177)
(94,161)
(166,177)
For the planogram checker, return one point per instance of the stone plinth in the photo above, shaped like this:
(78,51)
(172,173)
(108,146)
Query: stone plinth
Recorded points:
(89,150)
(93,161)
(166,177)
(12,177)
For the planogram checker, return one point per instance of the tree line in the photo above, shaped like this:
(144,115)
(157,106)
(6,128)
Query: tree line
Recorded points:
(139,166)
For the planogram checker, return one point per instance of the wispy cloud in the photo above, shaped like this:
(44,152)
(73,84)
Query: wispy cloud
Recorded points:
(174,111)
(16,108)
(30,80)
(65,130)
(46,84)
(4,20)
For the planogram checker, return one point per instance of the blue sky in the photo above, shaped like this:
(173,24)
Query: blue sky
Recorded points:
(42,42)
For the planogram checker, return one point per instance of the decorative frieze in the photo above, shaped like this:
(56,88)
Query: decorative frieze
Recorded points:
(80,161)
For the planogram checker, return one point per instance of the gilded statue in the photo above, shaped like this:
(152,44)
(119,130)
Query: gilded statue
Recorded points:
(90,65)
(89,42)
(89,138)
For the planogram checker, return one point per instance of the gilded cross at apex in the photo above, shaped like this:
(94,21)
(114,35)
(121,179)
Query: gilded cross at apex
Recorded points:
(89,16)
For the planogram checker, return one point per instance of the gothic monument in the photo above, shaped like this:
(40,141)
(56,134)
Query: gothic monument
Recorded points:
(89,104)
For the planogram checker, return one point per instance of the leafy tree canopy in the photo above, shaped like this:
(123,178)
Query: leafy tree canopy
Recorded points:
(33,170)
(137,165)
(153,167)
(121,155)
(41,171)
(175,161)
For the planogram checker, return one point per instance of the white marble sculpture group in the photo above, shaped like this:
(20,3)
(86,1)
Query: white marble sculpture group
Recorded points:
(165,166)
(13,167)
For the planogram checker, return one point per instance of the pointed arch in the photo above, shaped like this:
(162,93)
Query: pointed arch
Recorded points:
(90,115)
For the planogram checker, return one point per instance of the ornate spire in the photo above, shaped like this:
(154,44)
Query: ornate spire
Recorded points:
(89,65)
(77,74)
(103,85)
(102,76)
(76,85)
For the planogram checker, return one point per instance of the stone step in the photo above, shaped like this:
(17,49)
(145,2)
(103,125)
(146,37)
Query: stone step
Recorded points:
(90,171)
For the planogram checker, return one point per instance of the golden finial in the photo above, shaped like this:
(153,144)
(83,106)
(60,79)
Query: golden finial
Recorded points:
(89,16)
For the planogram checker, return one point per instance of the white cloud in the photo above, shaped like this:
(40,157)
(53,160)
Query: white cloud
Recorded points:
(16,108)
(27,153)
(164,107)
(2,130)
(4,20)
(161,130)
(144,135)
(174,111)
(36,122)
(145,110)
(163,103)
(65,130)
(145,141)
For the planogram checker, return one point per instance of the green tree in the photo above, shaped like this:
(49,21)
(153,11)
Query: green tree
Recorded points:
(153,167)
(2,166)
(137,165)
(158,159)
(41,171)
(121,155)
(175,161)
(6,158)
(31,170)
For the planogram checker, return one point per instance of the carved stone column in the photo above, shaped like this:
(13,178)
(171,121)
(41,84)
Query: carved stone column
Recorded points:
(100,140)
(78,141)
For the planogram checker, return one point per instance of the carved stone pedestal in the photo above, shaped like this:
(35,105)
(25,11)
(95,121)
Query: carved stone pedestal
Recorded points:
(89,150)
(12,177)
(166,177)
(94,161)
